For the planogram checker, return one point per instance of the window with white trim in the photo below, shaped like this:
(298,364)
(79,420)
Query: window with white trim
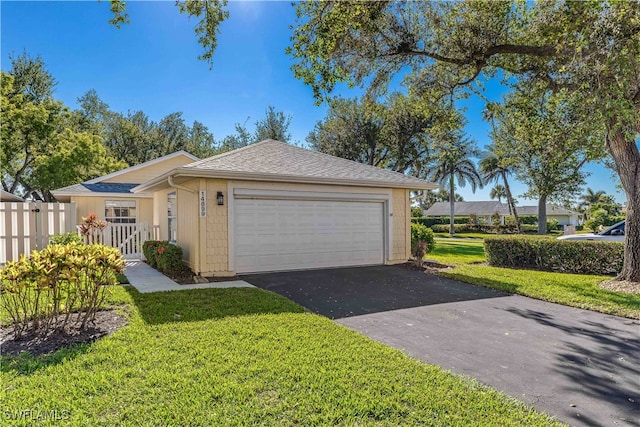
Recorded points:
(120,211)
(171,215)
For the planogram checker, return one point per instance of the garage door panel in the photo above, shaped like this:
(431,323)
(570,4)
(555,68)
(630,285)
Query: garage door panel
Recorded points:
(273,235)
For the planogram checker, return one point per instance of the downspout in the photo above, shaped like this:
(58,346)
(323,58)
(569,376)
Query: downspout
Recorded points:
(180,187)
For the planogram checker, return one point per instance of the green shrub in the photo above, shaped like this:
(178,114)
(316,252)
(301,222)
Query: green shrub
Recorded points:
(65,238)
(42,291)
(541,253)
(170,257)
(433,220)
(416,212)
(579,227)
(422,242)
(553,225)
(163,255)
(150,252)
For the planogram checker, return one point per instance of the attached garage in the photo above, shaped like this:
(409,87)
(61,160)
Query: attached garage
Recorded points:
(273,234)
(272,206)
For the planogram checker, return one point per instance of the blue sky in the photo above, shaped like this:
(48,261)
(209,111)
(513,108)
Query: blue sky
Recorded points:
(151,65)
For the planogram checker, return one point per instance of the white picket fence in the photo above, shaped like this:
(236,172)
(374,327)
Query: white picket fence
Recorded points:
(128,238)
(26,226)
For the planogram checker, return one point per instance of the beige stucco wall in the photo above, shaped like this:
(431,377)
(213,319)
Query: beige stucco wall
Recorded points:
(205,241)
(84,205)
(147,173)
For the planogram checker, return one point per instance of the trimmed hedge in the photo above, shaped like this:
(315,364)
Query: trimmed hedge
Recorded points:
(163,255)
(434,220)
(568,256)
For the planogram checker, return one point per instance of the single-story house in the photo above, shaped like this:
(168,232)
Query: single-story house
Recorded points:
(110,196)
(5,196)
(272,206)
(484,211)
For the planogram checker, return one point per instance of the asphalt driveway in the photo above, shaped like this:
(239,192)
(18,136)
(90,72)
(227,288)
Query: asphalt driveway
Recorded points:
(354,291)
(580,366)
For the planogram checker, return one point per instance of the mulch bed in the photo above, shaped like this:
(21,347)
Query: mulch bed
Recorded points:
(427,266)
(106,322)
(621,286)
(186,277)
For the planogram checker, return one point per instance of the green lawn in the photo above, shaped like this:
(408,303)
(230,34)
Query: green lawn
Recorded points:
(243,357)
(453,252)
(575,290)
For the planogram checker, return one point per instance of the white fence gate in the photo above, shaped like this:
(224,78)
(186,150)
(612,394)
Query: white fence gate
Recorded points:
(26,226)
(128,238)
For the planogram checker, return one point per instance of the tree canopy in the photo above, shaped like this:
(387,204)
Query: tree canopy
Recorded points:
(591,48)
(41,147)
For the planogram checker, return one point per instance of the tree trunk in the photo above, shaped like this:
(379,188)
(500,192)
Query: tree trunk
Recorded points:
(510,202)
(627,158)
(452,201)
(542,215)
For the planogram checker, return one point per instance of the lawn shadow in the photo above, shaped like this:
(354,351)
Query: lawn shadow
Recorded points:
(599,361)
(26,363)
(352,291)
(203,304)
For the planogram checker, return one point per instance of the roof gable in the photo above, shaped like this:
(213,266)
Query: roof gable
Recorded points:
(147,170)
(275,160)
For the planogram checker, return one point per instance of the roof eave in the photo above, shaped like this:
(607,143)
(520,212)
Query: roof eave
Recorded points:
(141,195)
(161,181)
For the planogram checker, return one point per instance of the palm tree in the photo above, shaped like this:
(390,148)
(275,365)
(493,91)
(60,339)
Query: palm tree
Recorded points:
(453,161)
(498,192)
(494,169)
(590,198)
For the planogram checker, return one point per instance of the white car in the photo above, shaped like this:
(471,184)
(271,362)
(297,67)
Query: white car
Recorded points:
(615,233)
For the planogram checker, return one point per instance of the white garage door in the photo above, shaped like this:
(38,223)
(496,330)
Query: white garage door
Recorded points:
(274,235)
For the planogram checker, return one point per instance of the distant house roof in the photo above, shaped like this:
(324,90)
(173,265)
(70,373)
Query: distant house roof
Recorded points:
(489,208)
(5,196)
(551,210)
(272,160)
(467,208)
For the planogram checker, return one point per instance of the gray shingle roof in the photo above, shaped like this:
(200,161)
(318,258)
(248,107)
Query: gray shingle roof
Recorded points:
(489,208)
(551,210)
(101,187)
(277,159)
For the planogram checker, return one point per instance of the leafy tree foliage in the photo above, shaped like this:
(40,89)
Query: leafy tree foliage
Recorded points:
(134,138)
(546,137)
(210,14)
(275,125)
(31,78)
(590,48)
(396,134)
(41,147)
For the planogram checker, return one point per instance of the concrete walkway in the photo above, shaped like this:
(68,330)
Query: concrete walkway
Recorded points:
(146,280)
